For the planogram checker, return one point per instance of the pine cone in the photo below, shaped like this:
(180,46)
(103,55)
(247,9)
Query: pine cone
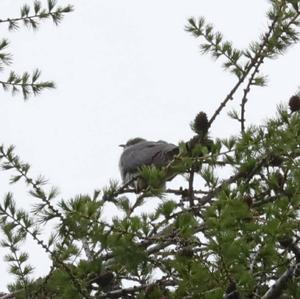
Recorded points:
(186,252)
(275,160)
(231,292)
(294,103)
(200,124)
(248,200)
(286,241)
(105,279)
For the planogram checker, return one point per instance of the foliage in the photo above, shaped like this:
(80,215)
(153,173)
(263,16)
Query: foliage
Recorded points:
(234,236)
(31,18)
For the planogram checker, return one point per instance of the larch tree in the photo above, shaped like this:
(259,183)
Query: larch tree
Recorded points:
(230,237)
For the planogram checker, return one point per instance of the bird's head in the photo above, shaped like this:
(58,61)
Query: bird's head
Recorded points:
(132,142)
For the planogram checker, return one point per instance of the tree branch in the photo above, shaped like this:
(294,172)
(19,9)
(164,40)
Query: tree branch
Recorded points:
(126,291)
(245,73)
(279,286)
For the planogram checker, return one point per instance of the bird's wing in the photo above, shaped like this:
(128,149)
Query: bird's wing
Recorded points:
(164,154)
(147,153)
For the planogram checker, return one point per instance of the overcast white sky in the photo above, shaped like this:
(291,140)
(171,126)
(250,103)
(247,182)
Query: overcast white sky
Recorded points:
(124,69)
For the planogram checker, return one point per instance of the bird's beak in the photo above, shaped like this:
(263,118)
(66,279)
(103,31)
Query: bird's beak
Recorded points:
(122,145)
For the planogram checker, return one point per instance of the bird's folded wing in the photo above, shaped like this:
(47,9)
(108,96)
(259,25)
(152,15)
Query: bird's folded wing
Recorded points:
(147,153)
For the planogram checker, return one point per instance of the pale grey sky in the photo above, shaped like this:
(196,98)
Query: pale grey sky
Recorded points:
(124,69)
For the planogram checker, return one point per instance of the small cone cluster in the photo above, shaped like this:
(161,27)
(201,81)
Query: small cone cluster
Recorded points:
(294,103)
(201,125)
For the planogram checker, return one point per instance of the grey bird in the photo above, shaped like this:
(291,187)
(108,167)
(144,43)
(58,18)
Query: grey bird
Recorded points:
(139,152)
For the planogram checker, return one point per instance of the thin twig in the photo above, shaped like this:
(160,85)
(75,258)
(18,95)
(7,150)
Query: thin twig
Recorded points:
(245,73)
(191,187)
(256,69)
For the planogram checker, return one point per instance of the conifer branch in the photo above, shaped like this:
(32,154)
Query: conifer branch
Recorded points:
(247,90)
(26,83)
(5,58)
(22,220)
(215,45)
(45,281)
(10,295)
(280,32)
(202,246)
(124,292)
(191,187)
(279,286)
(39,13)
(13,162)
(29,84)
(246,72)
(15,258)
